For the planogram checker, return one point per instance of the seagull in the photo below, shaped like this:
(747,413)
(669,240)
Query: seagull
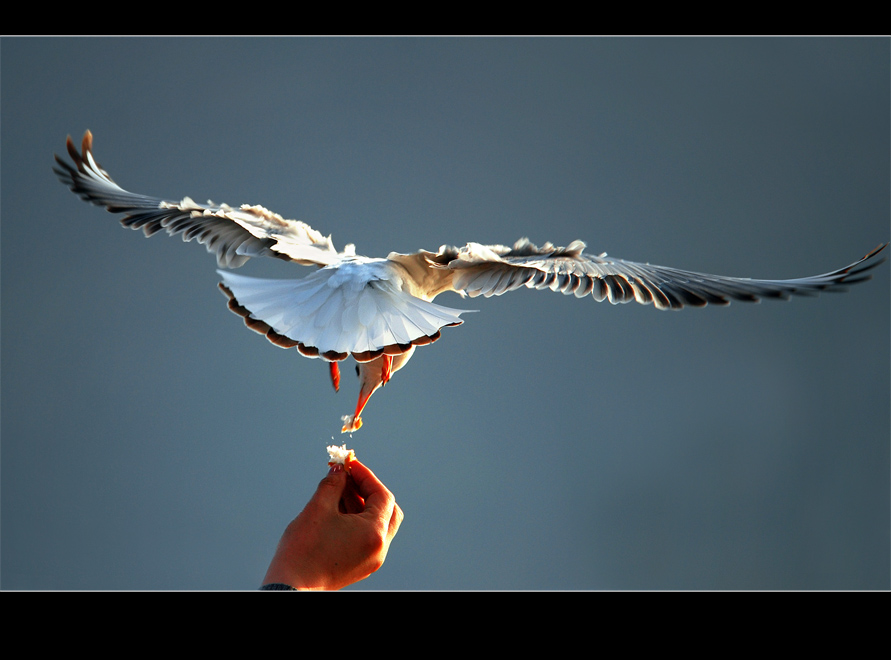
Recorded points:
(378,311)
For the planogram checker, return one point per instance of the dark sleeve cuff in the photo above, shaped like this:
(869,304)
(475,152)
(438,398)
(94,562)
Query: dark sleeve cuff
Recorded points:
(277,586)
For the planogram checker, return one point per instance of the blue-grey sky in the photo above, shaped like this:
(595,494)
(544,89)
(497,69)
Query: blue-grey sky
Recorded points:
(150,441)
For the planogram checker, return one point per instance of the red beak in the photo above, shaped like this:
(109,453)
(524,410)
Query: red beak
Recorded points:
(367,390)
(354,422)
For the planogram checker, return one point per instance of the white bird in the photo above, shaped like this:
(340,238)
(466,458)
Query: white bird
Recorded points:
(377,311)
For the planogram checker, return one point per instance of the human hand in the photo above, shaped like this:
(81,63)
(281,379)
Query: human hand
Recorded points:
(341,536)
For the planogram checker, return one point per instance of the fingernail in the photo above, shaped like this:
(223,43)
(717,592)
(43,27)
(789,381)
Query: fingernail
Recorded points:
(334,469)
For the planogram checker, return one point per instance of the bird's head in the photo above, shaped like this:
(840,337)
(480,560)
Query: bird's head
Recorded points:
(372,375)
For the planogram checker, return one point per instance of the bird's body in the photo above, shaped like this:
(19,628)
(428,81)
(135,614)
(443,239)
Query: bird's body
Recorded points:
(378,310)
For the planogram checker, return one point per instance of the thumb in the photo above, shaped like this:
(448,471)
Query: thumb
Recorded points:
(330,488)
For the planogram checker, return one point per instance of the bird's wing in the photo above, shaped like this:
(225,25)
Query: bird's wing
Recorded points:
(357,309)
(495,269)
(233,234)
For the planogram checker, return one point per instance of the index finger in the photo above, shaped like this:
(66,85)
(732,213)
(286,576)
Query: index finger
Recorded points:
(377,497)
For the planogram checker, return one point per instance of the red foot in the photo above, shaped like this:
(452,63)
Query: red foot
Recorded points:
(385,369)
(335,375)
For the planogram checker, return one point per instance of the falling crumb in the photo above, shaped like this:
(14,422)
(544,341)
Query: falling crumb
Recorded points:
(340,455)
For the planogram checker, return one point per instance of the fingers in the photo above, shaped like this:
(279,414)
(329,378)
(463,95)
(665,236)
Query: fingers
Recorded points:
(330,489)
(369,486)
(351,502)
(359,492)
(395,521)
(379,501)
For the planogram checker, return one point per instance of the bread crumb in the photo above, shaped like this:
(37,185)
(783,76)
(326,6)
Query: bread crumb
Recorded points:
(340,456)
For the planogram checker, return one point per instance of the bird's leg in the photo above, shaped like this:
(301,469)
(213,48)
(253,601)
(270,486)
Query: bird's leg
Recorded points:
(335,375)
(386,369)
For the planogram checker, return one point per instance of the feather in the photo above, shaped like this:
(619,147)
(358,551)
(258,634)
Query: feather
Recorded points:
(375,309)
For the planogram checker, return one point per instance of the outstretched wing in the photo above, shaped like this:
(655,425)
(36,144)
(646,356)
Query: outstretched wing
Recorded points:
(495,269)
(234,235)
